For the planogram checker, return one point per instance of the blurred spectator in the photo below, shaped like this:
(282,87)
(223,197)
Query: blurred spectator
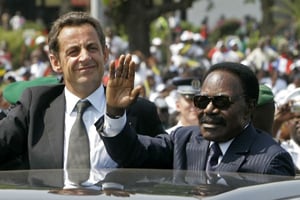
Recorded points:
(204,30)
(115,43)
(40,65)
(176,59)
(157,51)
(41,49)
(259,58)
(219,53)
(151,86)
(234,53)
(5,56)
(284,59)
(284,113)
(17,21)
(289,115)
(274,80)
(191,51)
(292,145)
(295,83)
(187,113)
(5,20)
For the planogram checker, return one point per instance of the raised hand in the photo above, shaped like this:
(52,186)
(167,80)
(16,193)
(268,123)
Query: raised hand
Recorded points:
(120,91)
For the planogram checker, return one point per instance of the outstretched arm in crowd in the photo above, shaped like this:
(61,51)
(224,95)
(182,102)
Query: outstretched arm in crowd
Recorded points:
(282,115)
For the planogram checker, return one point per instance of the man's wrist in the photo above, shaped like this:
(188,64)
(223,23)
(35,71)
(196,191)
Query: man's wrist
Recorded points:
(113,116)
(114,113)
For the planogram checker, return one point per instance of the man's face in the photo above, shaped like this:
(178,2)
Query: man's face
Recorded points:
(295,129)
(81,59)
(222,124)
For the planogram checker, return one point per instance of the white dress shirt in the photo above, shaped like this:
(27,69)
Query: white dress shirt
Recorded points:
(223,147)
(173,128)
(98,155)
(294,150)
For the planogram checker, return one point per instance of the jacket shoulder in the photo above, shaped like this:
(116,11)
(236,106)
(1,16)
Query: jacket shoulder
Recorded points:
(41,95)
(186,132)
(142,103)
(49,90)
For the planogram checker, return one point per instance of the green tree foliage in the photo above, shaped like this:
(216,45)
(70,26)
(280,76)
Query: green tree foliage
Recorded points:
(136,18)
(287,16)
(20,42)
(15,43)
(229,27)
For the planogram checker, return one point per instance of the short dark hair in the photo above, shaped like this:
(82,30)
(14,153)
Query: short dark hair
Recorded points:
(74,18)
(247,77)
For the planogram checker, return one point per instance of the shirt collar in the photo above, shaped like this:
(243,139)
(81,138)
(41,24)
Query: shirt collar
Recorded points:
(97,99)
(225,145)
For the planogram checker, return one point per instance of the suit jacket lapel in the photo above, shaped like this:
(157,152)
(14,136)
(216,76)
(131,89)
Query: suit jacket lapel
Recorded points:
(132,120)
(195,153)
(55,118)
(237,151)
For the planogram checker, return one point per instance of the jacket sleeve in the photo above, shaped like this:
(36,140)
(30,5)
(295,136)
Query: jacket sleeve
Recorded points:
(129,149)
(282,164)
(14,128)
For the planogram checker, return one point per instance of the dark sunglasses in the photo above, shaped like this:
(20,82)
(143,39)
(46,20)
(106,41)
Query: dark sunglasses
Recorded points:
(220,102)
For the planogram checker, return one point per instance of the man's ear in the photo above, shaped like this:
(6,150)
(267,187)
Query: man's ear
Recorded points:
(55,64)
(251,105)
(177,105)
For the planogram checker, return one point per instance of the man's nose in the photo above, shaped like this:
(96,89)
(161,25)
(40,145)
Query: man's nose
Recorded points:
(210,107)
(84,55)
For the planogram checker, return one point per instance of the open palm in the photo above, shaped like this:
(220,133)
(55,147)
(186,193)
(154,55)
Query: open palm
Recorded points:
(120,91)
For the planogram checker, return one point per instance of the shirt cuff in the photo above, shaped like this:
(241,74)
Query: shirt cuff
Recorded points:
(113,127)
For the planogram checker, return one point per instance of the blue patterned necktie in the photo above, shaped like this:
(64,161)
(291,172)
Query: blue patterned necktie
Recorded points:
(213,157)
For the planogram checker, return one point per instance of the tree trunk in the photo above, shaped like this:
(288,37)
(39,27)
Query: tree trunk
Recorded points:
(267,24)
(138,35)
(137,15)
(65,7)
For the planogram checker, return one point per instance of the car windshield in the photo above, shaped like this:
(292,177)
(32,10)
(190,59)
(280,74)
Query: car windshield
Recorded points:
(148,184)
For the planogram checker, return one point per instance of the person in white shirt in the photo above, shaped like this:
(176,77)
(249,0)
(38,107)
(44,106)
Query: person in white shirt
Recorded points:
(220,55)
(289,115)
(293,145)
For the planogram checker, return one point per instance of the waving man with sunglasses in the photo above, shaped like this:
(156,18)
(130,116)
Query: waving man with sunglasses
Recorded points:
(228,97)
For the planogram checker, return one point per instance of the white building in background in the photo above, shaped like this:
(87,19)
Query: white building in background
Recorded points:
(227,8)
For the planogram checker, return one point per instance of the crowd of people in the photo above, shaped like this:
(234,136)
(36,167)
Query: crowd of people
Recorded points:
(203,97)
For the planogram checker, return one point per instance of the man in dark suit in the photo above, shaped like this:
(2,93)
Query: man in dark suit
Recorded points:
(37,129)
(225,105)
